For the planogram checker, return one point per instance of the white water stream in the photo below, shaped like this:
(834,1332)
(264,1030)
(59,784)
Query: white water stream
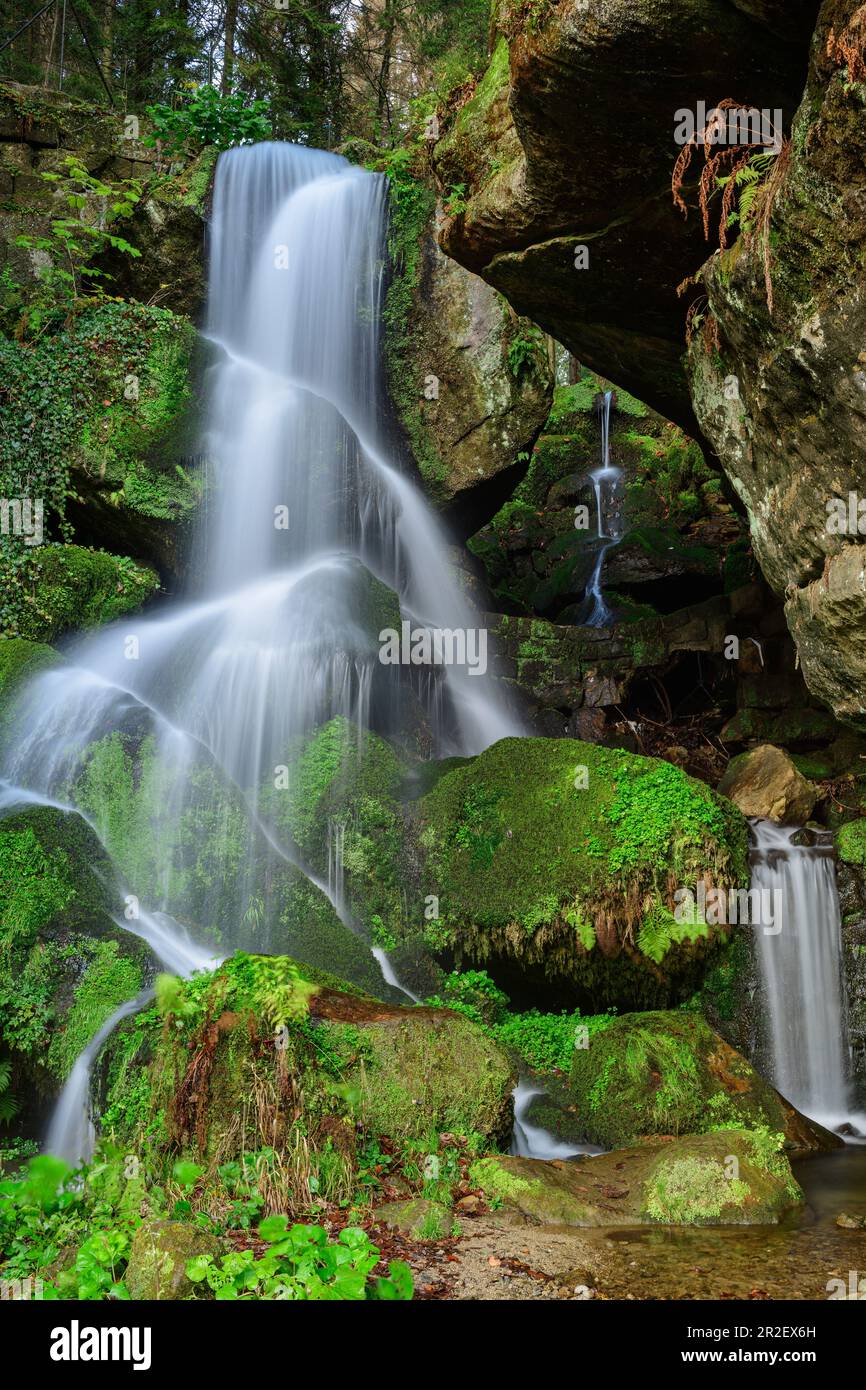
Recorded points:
(802,975)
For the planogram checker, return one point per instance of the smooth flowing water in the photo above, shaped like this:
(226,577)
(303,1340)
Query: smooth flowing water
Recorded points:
(529,1140)
(307,523)
(605,481)
(802,979)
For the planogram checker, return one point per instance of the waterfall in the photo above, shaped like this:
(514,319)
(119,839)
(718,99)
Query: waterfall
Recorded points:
(280,631)
(531,1141)
(800,964)
(605,481)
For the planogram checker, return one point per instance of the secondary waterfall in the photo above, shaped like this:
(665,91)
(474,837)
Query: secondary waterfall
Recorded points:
(605,481)
(309,523)
(800,961)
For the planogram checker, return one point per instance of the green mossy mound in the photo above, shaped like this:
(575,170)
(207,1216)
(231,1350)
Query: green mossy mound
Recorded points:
(563,857)
(669,1073)
(65,965)
(61,587)
(734,1177)
(158,1259)
(221,876)
(265,1051)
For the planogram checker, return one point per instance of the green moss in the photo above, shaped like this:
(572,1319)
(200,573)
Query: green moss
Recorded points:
(509,842)
(689,1191)
(851,842)
(390,1072)
(109,979)
(67,586)
(495,1181)
(666,1073)
(35,884)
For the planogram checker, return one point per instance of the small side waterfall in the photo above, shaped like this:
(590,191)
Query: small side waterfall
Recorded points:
(531,1141)
(605,481)
(800,962)
(72,1133)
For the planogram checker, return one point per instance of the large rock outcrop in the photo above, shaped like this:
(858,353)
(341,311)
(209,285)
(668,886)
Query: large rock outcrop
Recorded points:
(469,381)
(568,141)
(792,435)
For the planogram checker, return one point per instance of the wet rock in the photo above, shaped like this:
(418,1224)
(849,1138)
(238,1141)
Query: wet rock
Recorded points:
(617,74)
(157,1261)
(725,1178)
(670,1073)
(850,1223)
(765,783)
(792,436)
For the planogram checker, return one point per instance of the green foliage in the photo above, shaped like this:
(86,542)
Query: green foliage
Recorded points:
(302,1263)
(851,842)
(209,118)
(525,352)
(545,1041)
(8,1104)
(74,241)
(748,179)
(35,884)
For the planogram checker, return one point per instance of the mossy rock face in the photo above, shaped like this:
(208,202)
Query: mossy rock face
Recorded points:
(208,861)
(851,842)
(265,1049)
(343,785)
(114,393)
(669,1073)
(419,1218)
(732,1177)
(68,586)
(65,965)
(562,858)
(540,548)
(20,662)
(157,1260)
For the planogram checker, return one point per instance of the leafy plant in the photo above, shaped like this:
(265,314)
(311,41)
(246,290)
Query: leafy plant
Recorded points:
(74,240)
(209,118)
(302,1263)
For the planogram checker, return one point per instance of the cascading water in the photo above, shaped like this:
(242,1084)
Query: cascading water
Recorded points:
(800,962)
(605,481)
(309,522)
(531,1141)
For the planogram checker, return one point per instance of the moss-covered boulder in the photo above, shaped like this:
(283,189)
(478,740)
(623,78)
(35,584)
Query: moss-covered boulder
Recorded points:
(266,1052)
(418,1217)
(65,964)
(732,1177)
(61,587)
(158,1257)
(184,838)
(670,1074)
(558,861)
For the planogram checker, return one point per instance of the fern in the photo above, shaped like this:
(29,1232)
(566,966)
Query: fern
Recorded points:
(8,1103)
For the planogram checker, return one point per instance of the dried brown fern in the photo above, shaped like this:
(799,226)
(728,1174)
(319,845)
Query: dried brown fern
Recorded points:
(849,47)
(726,165)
